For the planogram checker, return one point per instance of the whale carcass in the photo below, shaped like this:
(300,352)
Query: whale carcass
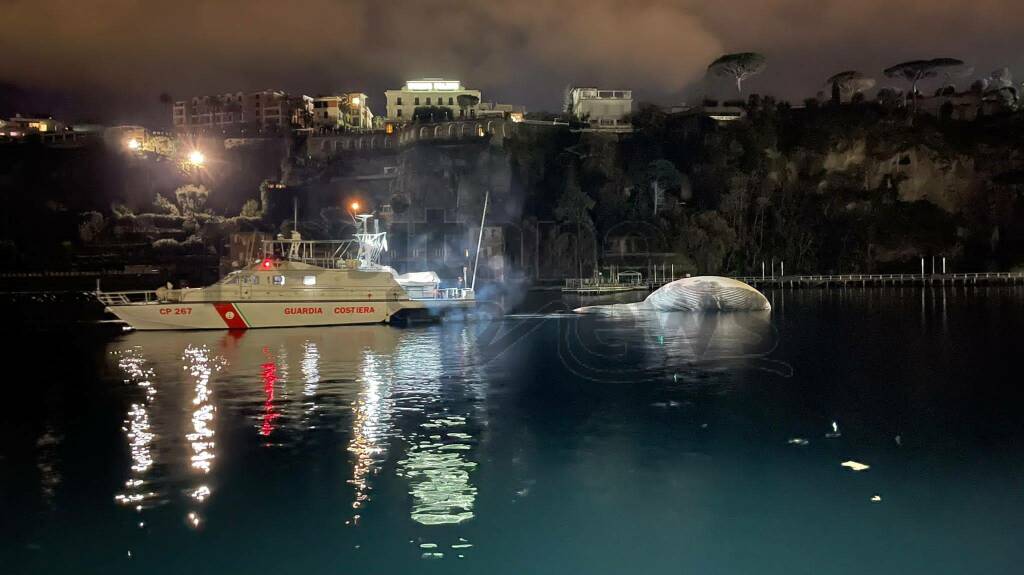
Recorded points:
(701,293)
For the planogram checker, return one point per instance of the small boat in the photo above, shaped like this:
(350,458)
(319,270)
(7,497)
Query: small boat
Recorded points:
(297,283)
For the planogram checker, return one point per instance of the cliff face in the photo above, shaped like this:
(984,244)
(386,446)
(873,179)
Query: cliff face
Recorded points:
(918,173)
(852,188)
(855,188)
(836,189)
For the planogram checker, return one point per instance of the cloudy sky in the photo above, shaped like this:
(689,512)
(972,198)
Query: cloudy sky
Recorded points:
(111,59)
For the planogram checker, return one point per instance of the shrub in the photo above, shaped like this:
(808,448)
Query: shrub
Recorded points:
(167,246)
(91,226)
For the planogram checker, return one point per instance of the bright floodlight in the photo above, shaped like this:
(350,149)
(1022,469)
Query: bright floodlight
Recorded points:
(355,206)
(195,157)
(134,144)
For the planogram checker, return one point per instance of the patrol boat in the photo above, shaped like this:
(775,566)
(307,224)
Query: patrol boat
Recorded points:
(297,283)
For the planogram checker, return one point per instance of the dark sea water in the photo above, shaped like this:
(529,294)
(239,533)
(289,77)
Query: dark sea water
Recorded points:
(548,443)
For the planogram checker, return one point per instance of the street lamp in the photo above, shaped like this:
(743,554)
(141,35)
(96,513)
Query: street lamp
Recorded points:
(196,158)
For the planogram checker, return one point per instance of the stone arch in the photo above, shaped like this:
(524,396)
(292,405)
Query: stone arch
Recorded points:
(451,130)
(423,132)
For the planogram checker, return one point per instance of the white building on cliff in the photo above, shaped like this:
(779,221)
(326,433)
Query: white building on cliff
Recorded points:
(602,109)
(428,93)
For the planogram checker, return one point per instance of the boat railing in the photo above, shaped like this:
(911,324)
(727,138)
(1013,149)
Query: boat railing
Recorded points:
(447,294)
(329,254)
(576,283)
(455,293)
(596,283)
(127,297)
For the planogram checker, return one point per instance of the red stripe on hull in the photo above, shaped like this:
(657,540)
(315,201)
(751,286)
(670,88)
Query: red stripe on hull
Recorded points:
(228,313)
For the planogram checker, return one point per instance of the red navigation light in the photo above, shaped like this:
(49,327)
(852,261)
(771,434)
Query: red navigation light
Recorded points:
(267,263)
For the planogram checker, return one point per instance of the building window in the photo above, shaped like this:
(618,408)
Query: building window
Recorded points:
(416,101)
(399,113)
(399,101)
(428,101)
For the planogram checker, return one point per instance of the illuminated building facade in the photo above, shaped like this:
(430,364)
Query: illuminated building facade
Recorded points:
(514,112)
(239,112)
(349,111)
(427,93)
(20,126)
(602,109)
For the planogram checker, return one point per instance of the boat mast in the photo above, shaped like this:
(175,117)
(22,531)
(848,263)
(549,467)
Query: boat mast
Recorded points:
(479,239)
(293,250)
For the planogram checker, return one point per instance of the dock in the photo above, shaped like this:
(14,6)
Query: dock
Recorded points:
(591,286)
(875,280)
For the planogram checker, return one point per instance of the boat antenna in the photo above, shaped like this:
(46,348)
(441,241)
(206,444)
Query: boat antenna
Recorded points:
(295,219)
(479,239)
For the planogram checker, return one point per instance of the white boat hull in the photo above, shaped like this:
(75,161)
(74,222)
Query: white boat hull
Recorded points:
(247,314)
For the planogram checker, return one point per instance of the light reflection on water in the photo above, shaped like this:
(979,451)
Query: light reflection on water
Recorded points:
(200,366)
(137,428)
(410,402)
(407,416)
(599,445)
(371,426)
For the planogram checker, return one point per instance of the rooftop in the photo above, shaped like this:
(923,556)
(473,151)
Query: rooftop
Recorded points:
(433,85)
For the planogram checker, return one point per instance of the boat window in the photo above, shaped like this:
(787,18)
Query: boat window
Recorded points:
(250,280)
(309,281)
(279,280)
(231,280)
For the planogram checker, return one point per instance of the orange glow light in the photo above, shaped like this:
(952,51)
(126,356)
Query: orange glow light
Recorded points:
(355,206)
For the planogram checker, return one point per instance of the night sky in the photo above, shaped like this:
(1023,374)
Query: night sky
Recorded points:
(109,60)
